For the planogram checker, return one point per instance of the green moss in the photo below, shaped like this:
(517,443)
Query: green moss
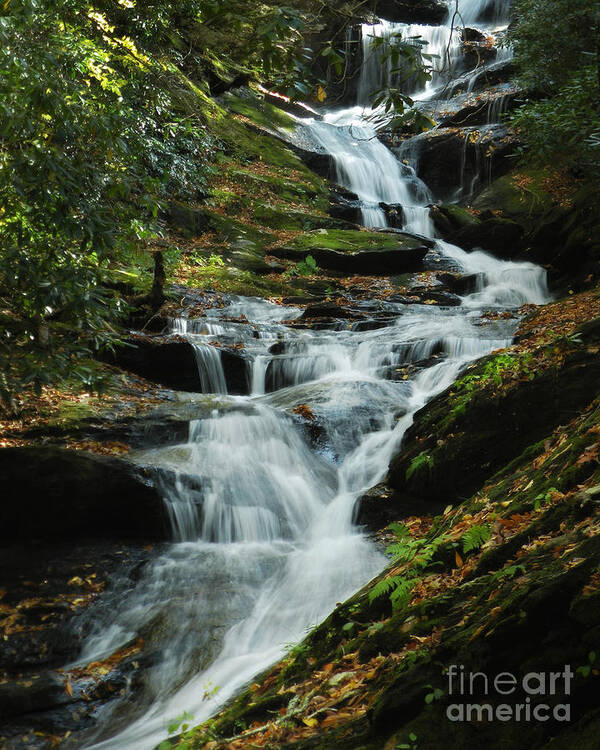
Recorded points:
(349,241)
(311,193)
(257,110)
(521,196)
(284,217)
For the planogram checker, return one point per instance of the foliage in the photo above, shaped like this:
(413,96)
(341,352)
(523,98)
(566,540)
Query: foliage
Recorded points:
(306,267)
(416,555)
(552,39)
(89,145)
(556,50)
(566,125)
(475,537)
(423,460)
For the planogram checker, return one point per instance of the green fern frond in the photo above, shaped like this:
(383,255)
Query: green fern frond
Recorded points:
(400,596)
(400,530)
(383,587)
(401,552)
(475,538)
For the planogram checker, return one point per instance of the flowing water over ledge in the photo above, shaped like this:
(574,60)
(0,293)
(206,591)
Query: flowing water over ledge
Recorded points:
(262,513)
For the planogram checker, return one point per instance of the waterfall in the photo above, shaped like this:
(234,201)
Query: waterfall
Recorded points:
(262,502)
(208,358)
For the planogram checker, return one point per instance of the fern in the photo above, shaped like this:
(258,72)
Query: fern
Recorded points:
(400,530)
(419,462)
(475,538)
(416,555)
(400,596)
(383,587)
(398,587)
(401,551)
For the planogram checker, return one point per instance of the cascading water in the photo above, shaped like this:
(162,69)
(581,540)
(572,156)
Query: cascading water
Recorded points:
(262,513)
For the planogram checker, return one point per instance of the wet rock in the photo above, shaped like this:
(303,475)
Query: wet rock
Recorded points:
(358,252)
(458,283)
(172,363)
(55,493)
(412,11)
(235,368)
(489,75)
(456,162)
(477,49)
(446,453)
(38,693)
(374,510)
(316,159)
(475,108)
(559,231)
(326,310)
(503,237)
(344,204)
(394,213)
(169,362)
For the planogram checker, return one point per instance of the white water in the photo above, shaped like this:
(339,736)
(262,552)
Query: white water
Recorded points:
(264,520)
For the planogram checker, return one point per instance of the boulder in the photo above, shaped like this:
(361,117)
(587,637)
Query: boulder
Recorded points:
(559,222)
(446,453)
(431,12)
(473,108)
(501,236)
(40,692)
(52,493)
(172,362)
(358,252)
(394,213)
(344,205)
(455,162)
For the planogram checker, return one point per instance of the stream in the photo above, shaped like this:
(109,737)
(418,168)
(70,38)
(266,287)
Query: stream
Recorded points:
(263,513)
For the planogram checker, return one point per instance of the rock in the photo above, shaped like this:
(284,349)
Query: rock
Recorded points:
(560,228)
(456,162)
(32,694)
(173,363)
(473,108)
(446,454)
(344,204)
(254,262)
(268,215)
(317,160)
(477,50)
(52,493)
(374,510)
(503,237)
(325,310)
(394,213)
(412,11)
(459,284)
(349,212)
(358,252)
(235,368)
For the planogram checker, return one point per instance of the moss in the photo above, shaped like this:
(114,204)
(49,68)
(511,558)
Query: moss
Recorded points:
(521,195)
(349,241)
(284,217)
(313,194)
(248,104)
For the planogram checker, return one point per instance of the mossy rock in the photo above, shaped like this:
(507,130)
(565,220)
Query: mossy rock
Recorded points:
(520,196)
(193,221)
(245,102)
(503,237)
(354,251)
(486,419)
(283,217)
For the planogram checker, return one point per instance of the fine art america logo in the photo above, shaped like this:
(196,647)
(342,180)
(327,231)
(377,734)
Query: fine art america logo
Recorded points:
(523,698)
